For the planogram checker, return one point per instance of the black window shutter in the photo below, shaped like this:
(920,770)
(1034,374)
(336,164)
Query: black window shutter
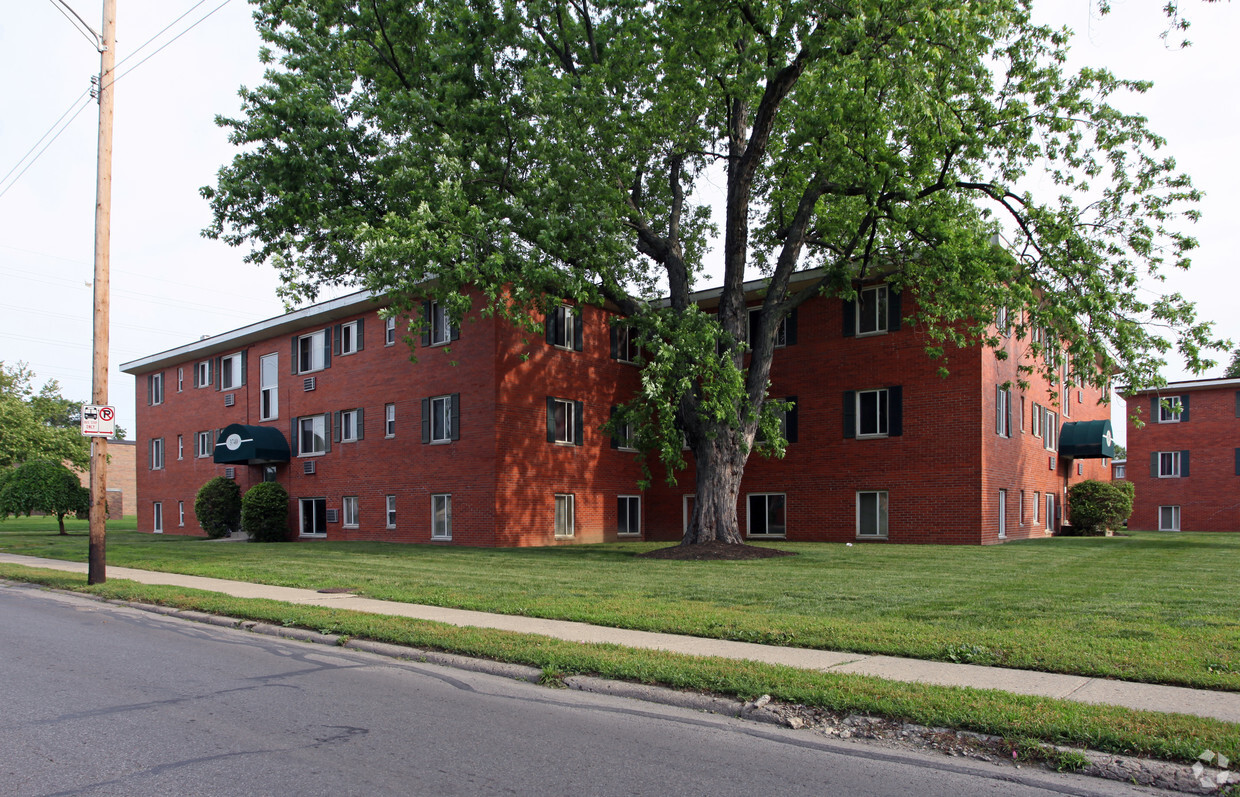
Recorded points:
(336,429)
(1155,408)
(893,311)
(213,368)
(553,318)
(327,433)
(579,432)
(1238,461)
(292,437)
(998,410)
(1007,413)
(296,351)
(752,332)
(1183,463)
(895,411)
(790,420)
(550,419)
(426,420)
(243,363)
(150,385)
(1154,464)
(361,424)
(336,339)
(358,333)
(790,328)
(327,348)
(850,318)
(1183,409)
(611,414)
(850,414)
(615,341)
(577,329)
(456,416)
(454,331)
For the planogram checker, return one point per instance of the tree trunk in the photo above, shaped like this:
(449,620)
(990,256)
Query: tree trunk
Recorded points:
(720,465)
(61,519)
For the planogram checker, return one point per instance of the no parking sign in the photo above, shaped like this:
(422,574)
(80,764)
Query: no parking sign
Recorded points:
(98,420)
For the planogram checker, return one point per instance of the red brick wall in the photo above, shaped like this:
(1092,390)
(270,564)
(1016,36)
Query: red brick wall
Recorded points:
(1209,497)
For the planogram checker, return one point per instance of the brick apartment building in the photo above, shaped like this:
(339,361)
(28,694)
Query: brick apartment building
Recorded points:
(493,436)
(1184,460)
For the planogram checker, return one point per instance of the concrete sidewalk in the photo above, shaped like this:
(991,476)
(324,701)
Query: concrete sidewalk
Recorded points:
(1203,703)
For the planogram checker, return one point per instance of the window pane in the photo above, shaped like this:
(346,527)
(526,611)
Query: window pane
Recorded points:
(775,514)
(867,514)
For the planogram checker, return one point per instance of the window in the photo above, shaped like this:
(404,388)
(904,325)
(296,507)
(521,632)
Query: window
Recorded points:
(1050,512)
(202,374)
(313,517)
(180,447)
(1002,514)
(564,421)
(232,371)
(389,420)
(311,352)
(1001,322)
(312,435)
(622,436)
(155,388)
(180,379)
(269,473)
(441,418)
(872,414)
(787,422)
(157,453)
(785,332)
(441,517)
(1022,414)
(767,515)
(269,387)
(1003,412)
(180,513)
(1050,431)
(391,511)
(1037,502)
(349,504)
(350,337)
(349,425)
(1121,471)
(1169,464)
(1037,419)
(1020,510)
(439,325)
(564,515)
(389,331)
(564,328)
(872,310)
(872,513)
(1170,410)
(158,524)
(203,446)
(624,343)
(1168,518)
(629,514)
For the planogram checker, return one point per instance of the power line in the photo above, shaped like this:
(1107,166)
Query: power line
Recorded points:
(170,41)
(13,182)
(77,22)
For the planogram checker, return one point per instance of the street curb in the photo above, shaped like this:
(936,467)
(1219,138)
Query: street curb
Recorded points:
(1181,778)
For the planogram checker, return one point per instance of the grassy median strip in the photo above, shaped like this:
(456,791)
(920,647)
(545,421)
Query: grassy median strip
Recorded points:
(1158,608)
(1018,718)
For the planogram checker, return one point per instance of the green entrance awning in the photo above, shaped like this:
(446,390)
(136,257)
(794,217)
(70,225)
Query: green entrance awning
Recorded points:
(251,445)
(1087,440)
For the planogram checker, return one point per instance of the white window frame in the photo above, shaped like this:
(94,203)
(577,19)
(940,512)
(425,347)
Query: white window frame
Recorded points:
(1003,514)
(390,512)
(301,518)
(1169,468)
(348,426)
(202,445)
(202,374)
(230,366)
(1121,471)
(1037,507)
(389,331)
(882,413)
(567,320)
(1049,497)
(880,301)
(1020,509)
(157,509)
(311,351)
(180,379)
(882,513)
(157,453)
(1036,422)
(633,513)
(1174,513)
(318,429)
(180,513)
(1001,322)
(566,407)
(1003,411)
(1170,409)
(441,516)
(157,388)
(441,325)
(626,348)
(349,511)
(269,387)
(564,517)
(348,338)
(180,447)
(389,420)
(766,507)
(441,416)
(1050,431)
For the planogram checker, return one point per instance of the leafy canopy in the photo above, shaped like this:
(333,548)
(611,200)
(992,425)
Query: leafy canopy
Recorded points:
(38,425)
(42,485)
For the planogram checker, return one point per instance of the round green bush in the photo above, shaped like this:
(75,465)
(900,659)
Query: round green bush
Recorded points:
(264,512)
(218,507)
(1094,507)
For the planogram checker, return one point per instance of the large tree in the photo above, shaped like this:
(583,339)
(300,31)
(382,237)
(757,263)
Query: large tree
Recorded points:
(618,150)
(41,424)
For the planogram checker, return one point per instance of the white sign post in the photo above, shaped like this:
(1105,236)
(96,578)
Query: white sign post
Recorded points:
(98,420)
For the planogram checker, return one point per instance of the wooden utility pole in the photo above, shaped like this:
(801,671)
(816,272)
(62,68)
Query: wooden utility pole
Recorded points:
(97,570)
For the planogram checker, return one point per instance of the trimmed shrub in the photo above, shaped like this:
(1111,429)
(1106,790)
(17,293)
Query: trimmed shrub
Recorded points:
(218,507)
(264,512)
(1094,507)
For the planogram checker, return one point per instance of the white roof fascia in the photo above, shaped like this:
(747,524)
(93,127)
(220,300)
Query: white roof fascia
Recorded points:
(1197,384)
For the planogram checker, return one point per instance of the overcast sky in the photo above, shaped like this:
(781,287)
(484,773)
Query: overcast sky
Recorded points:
(170,286)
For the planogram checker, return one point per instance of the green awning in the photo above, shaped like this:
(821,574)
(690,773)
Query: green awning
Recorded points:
(1086,440)
(251,445)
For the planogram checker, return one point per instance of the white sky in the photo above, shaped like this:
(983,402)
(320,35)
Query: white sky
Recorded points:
(170,286)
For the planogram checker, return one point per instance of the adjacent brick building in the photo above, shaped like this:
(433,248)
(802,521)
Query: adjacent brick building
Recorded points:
(492,437)
(1184,457)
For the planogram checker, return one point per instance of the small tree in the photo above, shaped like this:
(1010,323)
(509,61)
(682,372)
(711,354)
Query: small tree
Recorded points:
(1095,506)
(264,512)
(218,507)
(45,486)
(1233,368)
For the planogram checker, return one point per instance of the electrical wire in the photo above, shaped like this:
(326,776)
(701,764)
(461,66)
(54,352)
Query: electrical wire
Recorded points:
(170,41)
(45,135)
(13,182)
(77,22)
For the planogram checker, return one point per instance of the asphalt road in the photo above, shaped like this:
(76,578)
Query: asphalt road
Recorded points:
(103,700)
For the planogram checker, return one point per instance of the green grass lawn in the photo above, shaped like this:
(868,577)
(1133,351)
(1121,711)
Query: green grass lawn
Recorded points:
(1153,607)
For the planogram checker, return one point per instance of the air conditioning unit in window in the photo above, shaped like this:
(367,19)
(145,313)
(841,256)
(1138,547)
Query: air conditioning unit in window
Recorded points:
(230,473)
(307,467)
(308,384)
(332,515)
(230,399)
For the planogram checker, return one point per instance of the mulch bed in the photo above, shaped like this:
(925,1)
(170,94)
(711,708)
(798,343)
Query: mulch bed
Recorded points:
(710,551)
